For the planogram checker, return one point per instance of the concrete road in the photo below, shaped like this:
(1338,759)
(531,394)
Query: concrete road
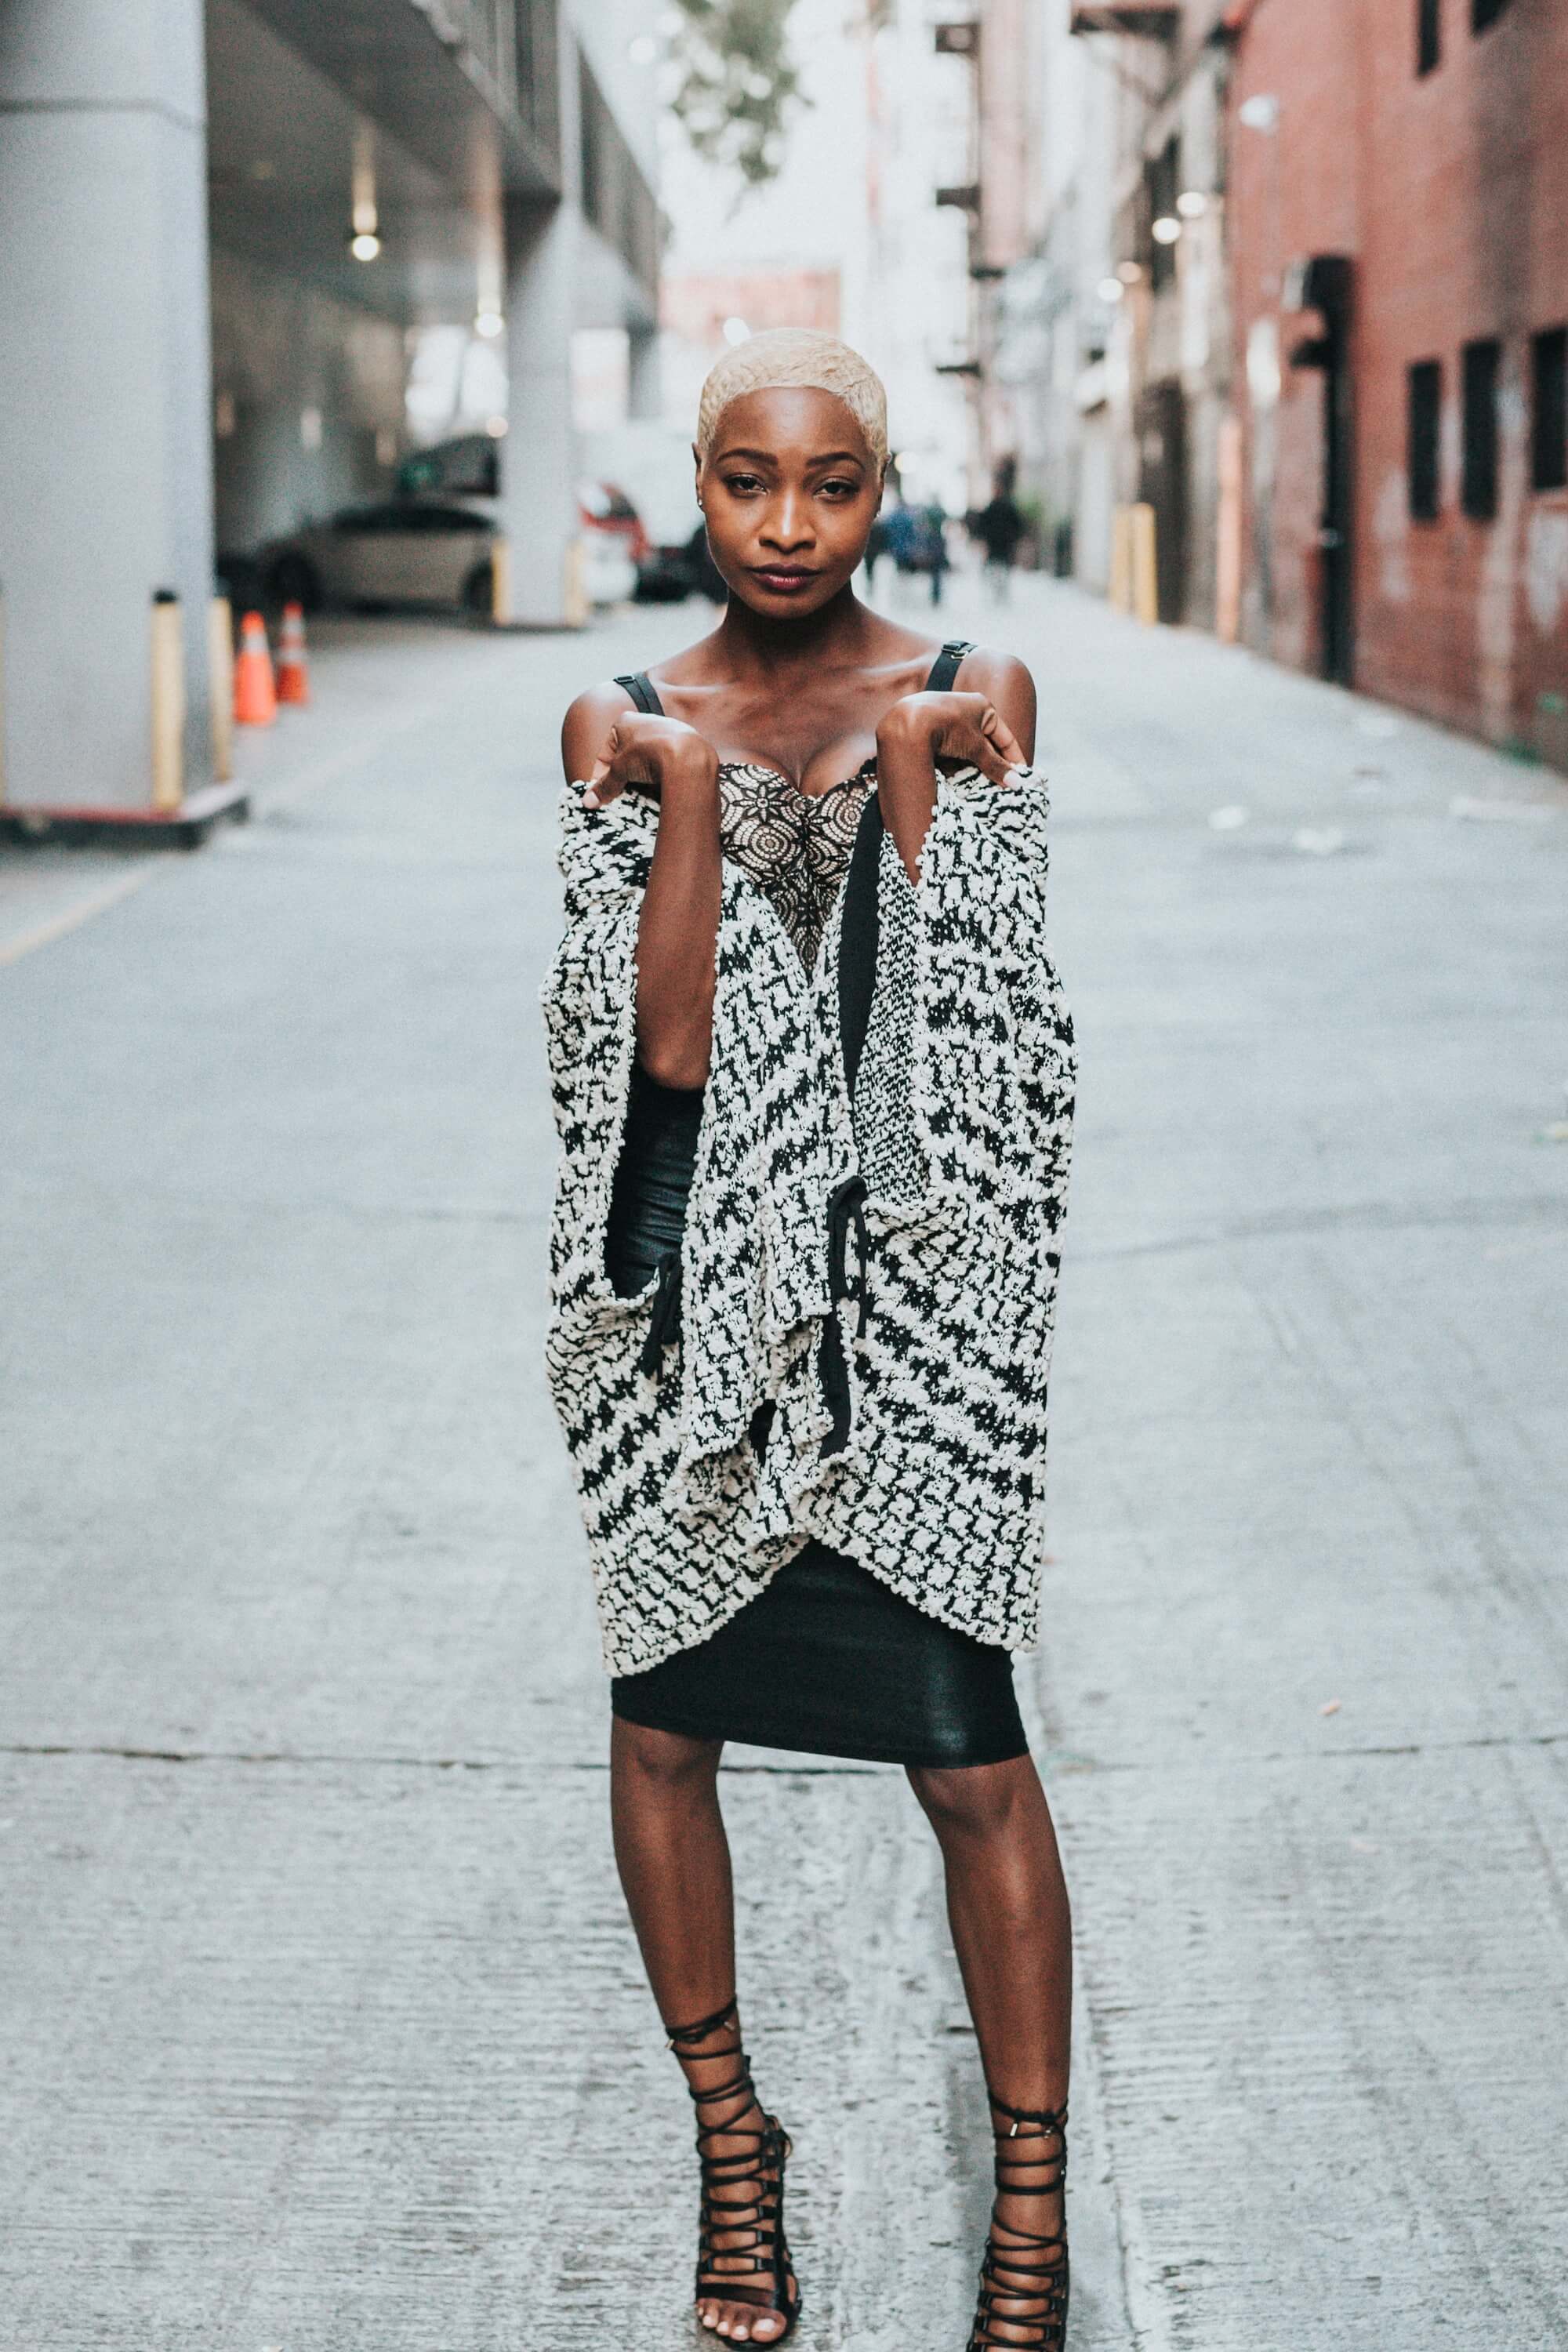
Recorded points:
(323,2026)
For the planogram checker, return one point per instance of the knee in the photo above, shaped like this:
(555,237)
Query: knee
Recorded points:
(974,1800)
(662,1763)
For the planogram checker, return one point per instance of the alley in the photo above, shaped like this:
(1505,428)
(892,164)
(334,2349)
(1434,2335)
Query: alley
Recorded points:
(324,2029)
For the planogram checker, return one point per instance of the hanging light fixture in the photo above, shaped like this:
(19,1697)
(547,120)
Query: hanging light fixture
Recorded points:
(364,239)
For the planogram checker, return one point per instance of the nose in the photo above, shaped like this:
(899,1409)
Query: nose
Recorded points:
(786,526)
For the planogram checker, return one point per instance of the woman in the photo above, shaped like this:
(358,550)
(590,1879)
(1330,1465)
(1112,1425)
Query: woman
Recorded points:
(812,1082)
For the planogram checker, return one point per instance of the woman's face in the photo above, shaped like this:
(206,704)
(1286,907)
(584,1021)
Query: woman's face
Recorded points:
(789,492)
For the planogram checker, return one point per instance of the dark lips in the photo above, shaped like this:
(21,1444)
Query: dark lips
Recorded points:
(781,577)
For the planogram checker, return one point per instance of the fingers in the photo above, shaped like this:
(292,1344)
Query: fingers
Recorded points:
(1003,743)
(600,786)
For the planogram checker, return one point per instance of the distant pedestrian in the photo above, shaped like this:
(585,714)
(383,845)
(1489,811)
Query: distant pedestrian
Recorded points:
(803,1274)
(934,555)
(999,526)
(876,548)
(901,533)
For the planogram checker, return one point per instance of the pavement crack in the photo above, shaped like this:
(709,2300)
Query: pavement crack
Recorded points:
(540,1768)
(1549,1209)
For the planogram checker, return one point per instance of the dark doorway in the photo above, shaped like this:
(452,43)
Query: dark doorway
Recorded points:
(1162,425)
(1324,284)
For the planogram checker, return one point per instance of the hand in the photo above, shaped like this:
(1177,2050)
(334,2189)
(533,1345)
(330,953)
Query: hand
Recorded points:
(962,726)
(653,752)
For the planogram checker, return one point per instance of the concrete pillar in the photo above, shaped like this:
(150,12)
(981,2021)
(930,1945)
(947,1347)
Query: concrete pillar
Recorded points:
(645,387)
(105,404)
(539,456)
(539,460)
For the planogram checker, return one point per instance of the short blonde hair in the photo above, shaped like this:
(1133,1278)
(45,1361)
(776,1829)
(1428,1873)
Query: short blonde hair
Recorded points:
(786,356)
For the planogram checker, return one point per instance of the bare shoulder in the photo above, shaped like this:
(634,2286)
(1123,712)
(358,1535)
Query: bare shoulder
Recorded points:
(1005,680)
(587,722)
(983,670)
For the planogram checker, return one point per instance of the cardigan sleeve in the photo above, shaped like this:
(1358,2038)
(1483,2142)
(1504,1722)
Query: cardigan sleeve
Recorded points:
(993,1053)
(589,999)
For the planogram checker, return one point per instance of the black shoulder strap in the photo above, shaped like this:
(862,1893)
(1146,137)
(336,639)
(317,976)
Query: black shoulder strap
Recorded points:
(640,686)
(945,667)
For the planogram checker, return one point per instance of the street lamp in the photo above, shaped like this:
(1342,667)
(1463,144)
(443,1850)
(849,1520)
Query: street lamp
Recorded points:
(1167,229)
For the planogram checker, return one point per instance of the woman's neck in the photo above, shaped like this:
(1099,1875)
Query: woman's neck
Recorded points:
(757,646)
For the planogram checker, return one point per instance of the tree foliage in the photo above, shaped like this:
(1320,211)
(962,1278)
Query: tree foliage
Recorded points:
(736,81)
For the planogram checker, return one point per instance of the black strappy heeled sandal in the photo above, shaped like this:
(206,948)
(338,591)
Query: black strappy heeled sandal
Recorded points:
(1021,2269)
(753,2225)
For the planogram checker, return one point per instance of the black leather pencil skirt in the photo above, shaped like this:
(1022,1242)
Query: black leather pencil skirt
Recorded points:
(827,1660)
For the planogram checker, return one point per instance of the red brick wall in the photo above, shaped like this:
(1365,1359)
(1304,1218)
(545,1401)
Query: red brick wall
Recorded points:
(1451,193)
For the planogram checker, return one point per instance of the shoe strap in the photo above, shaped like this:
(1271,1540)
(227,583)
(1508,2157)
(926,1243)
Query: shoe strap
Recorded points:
(1024,2265)
(730,2271)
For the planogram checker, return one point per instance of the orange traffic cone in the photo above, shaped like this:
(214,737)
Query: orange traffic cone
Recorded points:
(293,672)
(255,692)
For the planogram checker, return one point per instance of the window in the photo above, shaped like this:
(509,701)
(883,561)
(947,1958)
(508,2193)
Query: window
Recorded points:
(1478,492)
(1428,34)
(1426,401)
(1484,13)
(1549,411)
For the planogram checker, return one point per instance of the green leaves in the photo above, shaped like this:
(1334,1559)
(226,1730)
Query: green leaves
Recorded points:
(737,79)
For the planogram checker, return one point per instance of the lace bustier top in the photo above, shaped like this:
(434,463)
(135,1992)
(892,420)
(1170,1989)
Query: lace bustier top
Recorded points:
(794,845)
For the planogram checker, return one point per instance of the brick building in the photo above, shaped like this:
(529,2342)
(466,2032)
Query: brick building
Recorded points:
(1397,191)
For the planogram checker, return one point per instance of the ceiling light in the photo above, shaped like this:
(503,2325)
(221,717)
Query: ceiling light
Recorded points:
(496,427)
(736,331)
(1111,290)
(1129,272)
(1167,229)
(489,323)
(1260,113)
(365,245)
(1192,203)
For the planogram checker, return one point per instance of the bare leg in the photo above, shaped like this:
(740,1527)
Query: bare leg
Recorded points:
(1012,1930)
(674,1861)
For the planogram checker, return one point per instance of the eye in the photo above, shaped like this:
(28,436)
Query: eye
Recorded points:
(743,486)
(840,487)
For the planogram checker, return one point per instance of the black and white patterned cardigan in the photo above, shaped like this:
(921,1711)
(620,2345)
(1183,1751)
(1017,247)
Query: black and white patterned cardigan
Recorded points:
(855,1341)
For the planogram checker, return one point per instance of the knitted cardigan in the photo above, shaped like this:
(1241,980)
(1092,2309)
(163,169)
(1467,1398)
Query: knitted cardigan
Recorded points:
(855,1338)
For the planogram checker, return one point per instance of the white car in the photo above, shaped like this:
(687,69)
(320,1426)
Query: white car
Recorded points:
(609,573)
(422,550)
(410,551)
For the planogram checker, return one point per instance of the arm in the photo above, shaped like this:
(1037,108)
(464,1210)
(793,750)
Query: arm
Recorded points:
(990,725)
(608,747)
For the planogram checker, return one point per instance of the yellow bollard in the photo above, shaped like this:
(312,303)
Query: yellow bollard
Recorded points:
(1121,591)
(574,586)
(168,701)
(500,581)
(220,682)
(1145,577)
(1227,533)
